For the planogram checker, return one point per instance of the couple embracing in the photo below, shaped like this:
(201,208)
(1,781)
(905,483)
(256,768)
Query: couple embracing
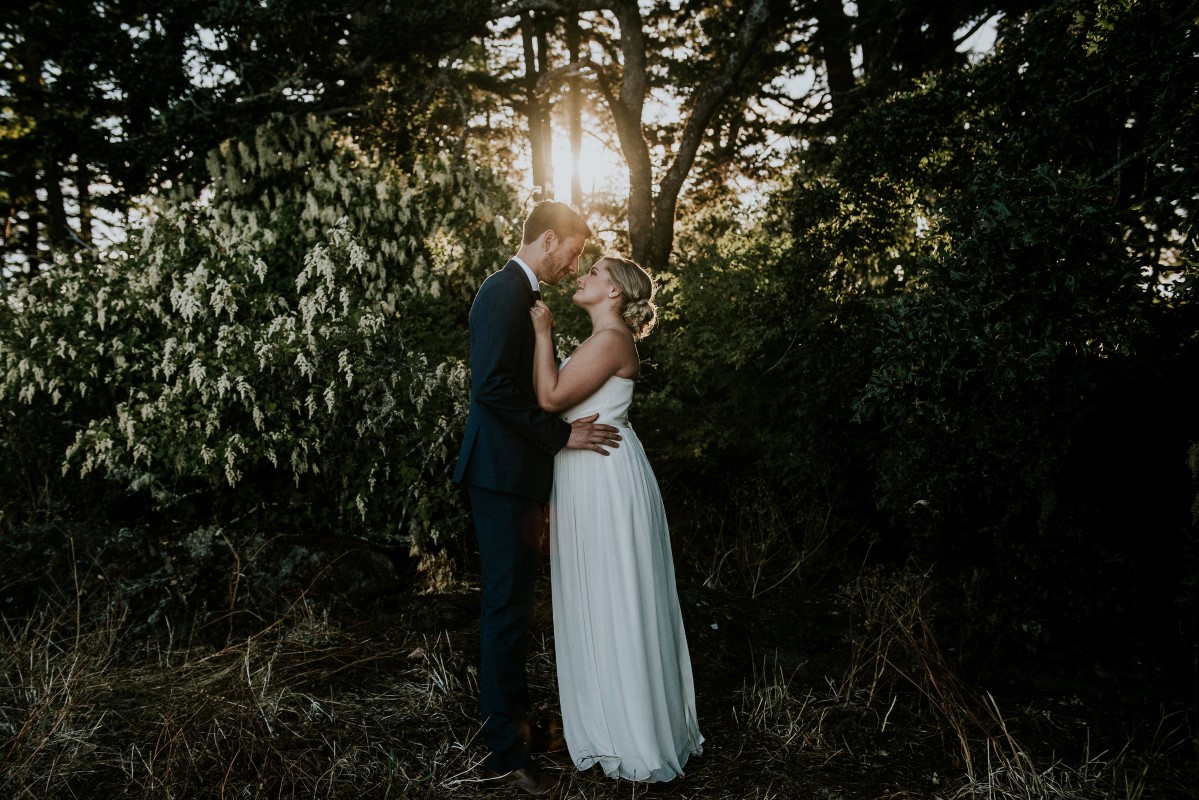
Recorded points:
(538,432)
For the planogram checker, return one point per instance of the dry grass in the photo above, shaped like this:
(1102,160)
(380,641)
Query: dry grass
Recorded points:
(303,708)
(902,649)
(315,706)
(767,547)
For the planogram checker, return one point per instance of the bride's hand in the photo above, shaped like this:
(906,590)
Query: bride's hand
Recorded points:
(543,318)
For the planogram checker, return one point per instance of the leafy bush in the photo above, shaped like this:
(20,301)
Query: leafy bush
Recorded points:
(731,404)
(284,342)
(1008,256)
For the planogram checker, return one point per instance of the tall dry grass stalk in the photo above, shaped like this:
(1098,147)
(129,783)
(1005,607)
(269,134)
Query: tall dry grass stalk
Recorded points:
(767,545)
(792,715)
(898,612)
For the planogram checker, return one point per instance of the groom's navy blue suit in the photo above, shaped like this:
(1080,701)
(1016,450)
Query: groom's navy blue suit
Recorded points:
(507,466)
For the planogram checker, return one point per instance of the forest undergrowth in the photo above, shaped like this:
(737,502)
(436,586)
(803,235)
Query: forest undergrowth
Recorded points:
(803,693)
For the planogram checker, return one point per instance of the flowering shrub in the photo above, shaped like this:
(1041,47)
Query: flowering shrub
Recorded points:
(287,342)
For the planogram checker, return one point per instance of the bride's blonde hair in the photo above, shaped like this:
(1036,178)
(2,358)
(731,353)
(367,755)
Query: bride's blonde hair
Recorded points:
(637,288)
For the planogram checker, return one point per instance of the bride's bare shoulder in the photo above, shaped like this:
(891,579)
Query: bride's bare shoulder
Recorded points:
(618,344)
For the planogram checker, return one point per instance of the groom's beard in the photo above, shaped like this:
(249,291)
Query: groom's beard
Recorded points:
(557,268)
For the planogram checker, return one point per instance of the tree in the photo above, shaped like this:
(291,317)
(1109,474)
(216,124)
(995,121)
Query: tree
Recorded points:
(715,62)
(111,100)
(82,83)
(707,53)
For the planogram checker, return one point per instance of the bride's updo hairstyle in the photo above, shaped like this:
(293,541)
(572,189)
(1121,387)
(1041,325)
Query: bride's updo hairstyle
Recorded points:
(637,288)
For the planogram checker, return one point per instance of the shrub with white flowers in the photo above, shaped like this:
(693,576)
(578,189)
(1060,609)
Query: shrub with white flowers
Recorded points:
(288,341)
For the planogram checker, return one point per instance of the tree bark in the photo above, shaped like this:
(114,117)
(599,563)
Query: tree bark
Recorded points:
(834,43)
(705,104)
(627,108)
(546,106)
(575,111)
(27,179)
(56,212)
(83,182)
(543,188)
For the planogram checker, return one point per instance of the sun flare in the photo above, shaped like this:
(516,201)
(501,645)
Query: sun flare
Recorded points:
(601,168)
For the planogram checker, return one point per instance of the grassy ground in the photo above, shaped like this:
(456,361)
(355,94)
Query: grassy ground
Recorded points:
(839,694)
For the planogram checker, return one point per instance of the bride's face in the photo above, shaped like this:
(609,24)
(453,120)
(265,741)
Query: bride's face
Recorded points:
(595,286)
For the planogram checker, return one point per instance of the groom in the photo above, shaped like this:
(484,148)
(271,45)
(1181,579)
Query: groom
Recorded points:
(507,465)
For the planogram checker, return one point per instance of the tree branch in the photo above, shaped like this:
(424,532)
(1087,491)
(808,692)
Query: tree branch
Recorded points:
(549,81)
(708,100)
(714,93)
(489,83)
(974,28)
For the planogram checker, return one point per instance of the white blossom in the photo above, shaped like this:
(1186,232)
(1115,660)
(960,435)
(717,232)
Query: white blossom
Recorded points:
(302,363)
(168,361)
(221,299)
(197,373)
(330,396)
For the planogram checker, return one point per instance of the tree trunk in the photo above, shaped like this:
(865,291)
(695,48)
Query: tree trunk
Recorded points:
(834,43)
(626,112)
(83,181)
(705,103)
(28,172)
(56,213)
(33,257)
(545,106)
(539,145)
(575,110)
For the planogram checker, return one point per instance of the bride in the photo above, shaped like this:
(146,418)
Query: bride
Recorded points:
(624,672)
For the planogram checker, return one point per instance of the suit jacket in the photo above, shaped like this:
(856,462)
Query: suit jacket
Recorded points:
(510,442)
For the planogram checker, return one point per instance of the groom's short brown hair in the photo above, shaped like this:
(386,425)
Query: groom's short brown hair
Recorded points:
(551,215)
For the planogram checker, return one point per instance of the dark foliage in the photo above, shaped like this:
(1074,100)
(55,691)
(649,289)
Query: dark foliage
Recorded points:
(994,285)
(118,99)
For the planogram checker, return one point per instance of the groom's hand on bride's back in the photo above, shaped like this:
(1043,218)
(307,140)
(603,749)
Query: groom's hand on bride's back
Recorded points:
(585,434)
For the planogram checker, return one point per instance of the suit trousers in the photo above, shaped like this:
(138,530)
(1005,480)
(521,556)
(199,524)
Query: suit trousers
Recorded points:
(507,527)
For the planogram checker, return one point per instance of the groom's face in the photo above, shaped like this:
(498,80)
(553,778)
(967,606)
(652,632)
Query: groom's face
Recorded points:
(561,257)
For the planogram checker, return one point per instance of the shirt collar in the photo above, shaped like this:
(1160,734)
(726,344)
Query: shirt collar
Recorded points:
(534,284)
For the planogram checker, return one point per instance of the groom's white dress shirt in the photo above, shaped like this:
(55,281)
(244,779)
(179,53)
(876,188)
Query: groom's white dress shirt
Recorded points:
(534,284)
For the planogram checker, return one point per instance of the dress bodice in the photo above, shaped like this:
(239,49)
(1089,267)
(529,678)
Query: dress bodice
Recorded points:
(611,401)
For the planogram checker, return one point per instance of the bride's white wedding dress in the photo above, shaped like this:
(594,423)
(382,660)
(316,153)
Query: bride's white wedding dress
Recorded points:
(624,673)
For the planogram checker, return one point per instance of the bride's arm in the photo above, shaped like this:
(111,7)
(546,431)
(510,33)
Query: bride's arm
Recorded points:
(596,360)
(545,370)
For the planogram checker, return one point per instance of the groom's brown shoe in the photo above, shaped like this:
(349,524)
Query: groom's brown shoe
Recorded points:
(529,780)
(545,738)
